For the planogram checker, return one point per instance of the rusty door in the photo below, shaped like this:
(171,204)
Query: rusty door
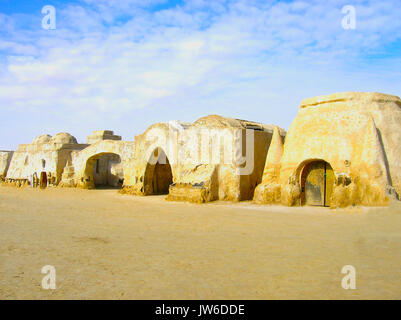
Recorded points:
(319,184)
(314,184)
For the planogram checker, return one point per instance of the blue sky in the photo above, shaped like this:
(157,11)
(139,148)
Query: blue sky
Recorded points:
(123,65)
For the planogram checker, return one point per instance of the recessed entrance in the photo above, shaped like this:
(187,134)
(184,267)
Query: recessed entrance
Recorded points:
(43,180)
(317,183)
(104,171)
(158,176)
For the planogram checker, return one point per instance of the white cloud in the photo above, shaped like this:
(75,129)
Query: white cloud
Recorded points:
(246,59)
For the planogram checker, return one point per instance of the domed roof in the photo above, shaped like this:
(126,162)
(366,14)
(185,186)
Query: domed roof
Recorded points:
(362,97)
(43,138)
(63,138)
(217,121)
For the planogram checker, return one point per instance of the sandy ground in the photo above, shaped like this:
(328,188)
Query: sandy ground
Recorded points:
(111,246)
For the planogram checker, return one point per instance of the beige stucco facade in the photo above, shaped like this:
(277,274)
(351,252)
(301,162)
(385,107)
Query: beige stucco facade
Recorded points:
(99,164)
(5,160)
(205,159)
(340,150)
(357,134)
(45,154)
(64,162)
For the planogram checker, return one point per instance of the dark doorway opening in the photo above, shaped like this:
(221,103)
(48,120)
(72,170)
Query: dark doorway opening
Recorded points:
(104,171)
(43,180)
(158,176)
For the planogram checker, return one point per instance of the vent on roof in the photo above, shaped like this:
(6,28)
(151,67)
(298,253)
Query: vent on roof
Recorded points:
(253,127)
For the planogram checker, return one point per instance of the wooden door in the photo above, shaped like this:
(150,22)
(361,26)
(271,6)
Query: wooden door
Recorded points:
(319,183)
(315,184)
(43,180)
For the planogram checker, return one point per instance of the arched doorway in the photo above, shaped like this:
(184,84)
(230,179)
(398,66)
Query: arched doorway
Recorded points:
(317,182)
(105,171)
(158,174)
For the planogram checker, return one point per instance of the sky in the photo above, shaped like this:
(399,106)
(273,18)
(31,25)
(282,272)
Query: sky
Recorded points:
(123,65)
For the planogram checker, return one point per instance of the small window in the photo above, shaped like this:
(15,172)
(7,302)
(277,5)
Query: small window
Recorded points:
(26,160)
(43,163)
(97,166)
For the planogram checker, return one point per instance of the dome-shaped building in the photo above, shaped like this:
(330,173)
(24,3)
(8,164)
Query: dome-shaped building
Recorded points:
(64,138)
(43,159)
(341,149)
(213,158)
(43,138)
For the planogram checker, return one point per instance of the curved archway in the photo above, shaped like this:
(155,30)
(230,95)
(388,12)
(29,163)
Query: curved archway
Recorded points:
(158,174)
(104,170)
(317,183)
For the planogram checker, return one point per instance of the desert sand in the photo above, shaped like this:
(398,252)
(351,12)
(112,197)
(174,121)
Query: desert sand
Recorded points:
(105,245)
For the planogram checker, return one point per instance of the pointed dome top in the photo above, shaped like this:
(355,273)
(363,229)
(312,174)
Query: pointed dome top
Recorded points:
(276,149)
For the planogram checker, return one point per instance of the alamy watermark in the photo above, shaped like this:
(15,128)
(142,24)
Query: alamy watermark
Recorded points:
(195,145)
(49,280)
(49,20)
(349,280)
(349,20)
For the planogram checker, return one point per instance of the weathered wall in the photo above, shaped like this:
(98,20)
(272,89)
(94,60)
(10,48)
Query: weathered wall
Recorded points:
(5,160)
(45,154)
(358,134)
(100,135)
(204,159)
(33,159)
(249,182)
(145,146)
(269,190)
(108,170)
(116,155)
